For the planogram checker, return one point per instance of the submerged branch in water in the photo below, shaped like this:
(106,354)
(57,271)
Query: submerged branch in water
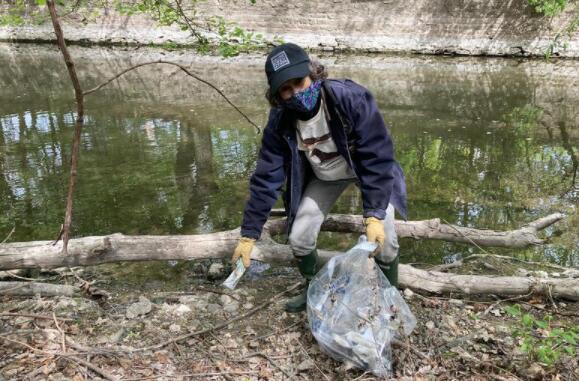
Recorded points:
(186,71)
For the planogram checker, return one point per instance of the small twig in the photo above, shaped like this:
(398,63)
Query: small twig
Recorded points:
(9,235)
(489,308)
(35,316)
(184,69)
(93,367)
(288,375)
(401,343)
(551,297)
(27,346)
(311,359)
(25,278)
(199,289)
(468,238)
(189,23)
(58,236)
(279,330)
(63,338)
(360,376)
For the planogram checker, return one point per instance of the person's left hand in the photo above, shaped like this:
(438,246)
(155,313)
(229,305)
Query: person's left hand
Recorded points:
(375,230)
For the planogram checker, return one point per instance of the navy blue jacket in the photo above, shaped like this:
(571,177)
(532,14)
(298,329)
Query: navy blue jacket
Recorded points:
(360,137)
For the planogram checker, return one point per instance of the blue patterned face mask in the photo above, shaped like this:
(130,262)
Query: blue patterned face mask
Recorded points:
(305,100)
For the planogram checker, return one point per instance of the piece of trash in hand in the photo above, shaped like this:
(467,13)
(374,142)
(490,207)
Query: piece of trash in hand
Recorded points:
(235,276)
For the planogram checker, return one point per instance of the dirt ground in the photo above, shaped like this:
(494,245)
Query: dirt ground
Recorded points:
(61,338)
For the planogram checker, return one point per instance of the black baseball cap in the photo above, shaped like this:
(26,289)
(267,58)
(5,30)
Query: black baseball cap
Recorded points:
(284,62)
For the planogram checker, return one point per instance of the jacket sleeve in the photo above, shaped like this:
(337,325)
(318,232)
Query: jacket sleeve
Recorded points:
(373,157)
(265,184)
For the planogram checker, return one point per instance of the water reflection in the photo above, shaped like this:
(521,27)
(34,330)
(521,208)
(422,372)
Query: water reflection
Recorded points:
(484,143)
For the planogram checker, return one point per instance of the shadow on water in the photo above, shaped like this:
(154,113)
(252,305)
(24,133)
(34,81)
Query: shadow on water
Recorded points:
(485,143)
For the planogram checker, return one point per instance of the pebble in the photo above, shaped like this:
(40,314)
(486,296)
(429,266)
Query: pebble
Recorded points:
(456,302)
(430,325)
(142,307)
(408,293)
(213,308)
(175,328)
(248,306)
(231,307)
(231,344)
(225,300)
(305,365)
(182,309)
(216,271)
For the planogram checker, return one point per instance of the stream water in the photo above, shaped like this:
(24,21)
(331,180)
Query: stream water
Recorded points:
(488,143)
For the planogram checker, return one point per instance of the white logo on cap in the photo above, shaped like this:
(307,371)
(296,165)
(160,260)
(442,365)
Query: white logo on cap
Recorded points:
(279,60)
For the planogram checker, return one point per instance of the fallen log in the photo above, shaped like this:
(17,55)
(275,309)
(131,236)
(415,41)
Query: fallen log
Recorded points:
(434,229)
(118,247)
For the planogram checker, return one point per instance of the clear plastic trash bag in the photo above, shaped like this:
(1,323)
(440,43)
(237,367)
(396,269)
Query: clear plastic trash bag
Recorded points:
(354,313)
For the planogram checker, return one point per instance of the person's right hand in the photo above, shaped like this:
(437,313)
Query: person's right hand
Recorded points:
(243,250)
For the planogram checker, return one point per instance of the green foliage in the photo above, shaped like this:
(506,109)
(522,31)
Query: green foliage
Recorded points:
(232,39)
(548,7)
(161,10)
(540,340)
(14,14)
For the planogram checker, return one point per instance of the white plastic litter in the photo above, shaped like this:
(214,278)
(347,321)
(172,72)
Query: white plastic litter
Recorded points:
(235,276)
(354,313)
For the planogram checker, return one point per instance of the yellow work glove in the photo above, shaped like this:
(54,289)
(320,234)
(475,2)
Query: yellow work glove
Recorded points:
(375,230)
(243,250)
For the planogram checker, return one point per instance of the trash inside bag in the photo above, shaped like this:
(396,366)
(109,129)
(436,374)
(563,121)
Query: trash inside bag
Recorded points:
(354,313)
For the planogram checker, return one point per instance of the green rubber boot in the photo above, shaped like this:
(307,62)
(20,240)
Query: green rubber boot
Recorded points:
(390,270)
(308,267)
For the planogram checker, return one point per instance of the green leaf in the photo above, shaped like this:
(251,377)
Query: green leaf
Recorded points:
(513,310)
(569,337)
(528,320)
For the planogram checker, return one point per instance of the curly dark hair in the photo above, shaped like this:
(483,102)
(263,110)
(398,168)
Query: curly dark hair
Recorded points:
(317,71)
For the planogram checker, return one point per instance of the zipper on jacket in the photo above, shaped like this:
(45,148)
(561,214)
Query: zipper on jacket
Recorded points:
(290,214)
(341,121)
